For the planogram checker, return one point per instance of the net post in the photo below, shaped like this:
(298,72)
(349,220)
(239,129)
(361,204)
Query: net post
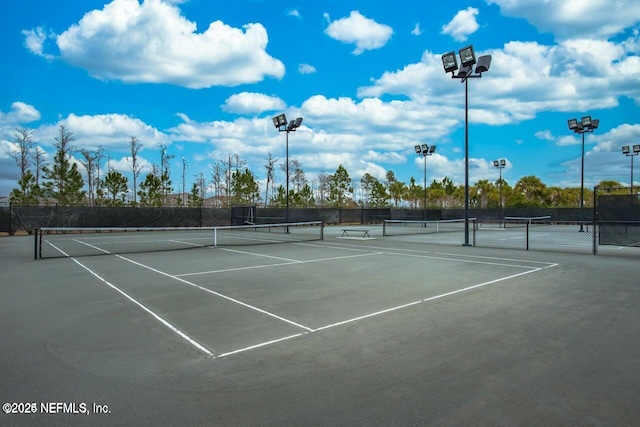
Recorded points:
(595,220)
(322,230)
(527,238)
(384,228)
(474,223)
(215,237)
(35,245)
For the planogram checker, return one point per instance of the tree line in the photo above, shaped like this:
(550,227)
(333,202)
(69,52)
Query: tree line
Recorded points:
(232,183)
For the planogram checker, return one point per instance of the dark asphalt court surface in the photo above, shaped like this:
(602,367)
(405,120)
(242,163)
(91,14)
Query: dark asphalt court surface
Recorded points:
(345,331)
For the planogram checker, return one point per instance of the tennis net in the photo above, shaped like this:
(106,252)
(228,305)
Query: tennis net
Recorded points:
(399,227)
(56,242)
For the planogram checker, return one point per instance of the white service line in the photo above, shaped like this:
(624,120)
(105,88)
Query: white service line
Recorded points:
(152,313)
(251,267)
(244,304)
(261,345)
(91,246)
(260,255)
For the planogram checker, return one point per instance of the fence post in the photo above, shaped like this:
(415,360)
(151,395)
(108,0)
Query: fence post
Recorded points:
(594,226)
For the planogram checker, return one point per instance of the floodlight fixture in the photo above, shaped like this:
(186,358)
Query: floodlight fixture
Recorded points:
(467,56)
(449,62)
(279,121)
(425,150)
(466,72)
(626,150)
(586,124)
(484,63)
(500,164)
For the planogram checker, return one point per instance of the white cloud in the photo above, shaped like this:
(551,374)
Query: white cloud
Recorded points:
(525,79)
(20,114)
(111,131)
(252,103)
(462,25)
(306,69)
(35,39)
(153,43)
(544,135)
(416,30)
(293,12)
(575,19)
(366,33)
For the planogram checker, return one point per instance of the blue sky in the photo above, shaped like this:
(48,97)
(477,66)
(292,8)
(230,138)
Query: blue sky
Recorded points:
(206,77)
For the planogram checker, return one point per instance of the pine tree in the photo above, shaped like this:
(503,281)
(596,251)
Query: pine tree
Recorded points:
(63,181)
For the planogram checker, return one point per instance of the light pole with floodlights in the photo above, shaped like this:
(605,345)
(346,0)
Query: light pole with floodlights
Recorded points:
(425,150)
(500,164)
(450,64)
(586,124)
(280,122)
(627,152)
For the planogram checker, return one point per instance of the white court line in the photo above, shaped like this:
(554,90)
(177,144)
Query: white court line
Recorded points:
(447,257)
(260,255)
(152,313)
(524,237)
(261,345)
(251,267)
(377,313)
(275,316)
(91,246)
(388,310)
(57,248)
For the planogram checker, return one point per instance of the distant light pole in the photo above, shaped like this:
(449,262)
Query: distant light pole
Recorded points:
(500,164)
(280,122)
(627,152)
(450,64)
(425,150)
(583,126)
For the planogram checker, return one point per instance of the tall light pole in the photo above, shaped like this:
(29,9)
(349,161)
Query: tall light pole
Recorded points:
(425,150)
(583,126)
(280,122)
(628,153)
(450,64)
(500,164)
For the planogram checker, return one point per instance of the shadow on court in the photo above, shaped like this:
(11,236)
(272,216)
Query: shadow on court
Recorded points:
(348,330)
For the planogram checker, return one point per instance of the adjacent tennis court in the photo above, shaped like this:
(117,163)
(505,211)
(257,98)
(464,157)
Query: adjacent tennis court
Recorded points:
(325,329)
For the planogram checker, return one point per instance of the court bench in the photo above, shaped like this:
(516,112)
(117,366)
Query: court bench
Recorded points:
(346,231)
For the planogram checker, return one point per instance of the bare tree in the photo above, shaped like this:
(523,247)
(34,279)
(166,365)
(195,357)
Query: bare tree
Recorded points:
(23,141)
(40,161)
(270,176)
(184,169)
(165,171)
(88,161)
(136,168)
(216,180)
(99,157)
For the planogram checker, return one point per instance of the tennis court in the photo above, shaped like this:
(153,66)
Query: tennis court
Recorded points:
(330,330)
